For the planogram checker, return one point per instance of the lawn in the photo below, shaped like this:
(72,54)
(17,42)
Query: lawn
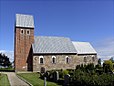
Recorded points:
(34,79)
(7,69)
(4,80)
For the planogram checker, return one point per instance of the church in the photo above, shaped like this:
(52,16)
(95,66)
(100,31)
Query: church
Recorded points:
(32,53)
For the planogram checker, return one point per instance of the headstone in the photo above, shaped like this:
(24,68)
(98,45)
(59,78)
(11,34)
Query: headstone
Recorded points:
(44,81)
(56,76)
(47,75)
(66,80)
(42,70)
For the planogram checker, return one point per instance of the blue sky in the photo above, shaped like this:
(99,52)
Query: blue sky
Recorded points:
(80,20)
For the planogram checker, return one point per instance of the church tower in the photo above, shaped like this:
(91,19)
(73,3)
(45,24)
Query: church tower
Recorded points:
(23,39)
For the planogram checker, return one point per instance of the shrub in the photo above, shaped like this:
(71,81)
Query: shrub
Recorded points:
(61,74)
(92,76)
(65,72)
(107,66)
(85,79)
(98,66)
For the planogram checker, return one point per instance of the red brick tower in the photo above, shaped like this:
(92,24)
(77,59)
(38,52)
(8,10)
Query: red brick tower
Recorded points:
(24,37)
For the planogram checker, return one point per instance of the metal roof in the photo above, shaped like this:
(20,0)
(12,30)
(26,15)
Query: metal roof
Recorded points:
(84,48)
(24,21)
(44,44)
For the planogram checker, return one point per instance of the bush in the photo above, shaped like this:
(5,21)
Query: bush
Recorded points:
(107,66)
(85,79)
(91,76)
(65,72)
(61,74)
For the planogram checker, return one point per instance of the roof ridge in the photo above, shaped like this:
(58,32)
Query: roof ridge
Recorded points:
(80,42)
(23,14)
(53,36)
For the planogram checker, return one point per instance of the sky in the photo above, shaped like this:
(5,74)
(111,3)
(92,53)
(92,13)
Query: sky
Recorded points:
(80,20)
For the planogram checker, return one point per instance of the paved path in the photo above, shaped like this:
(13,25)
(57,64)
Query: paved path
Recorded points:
(14,80)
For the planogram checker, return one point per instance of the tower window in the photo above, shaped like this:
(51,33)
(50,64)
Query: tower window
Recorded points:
(41,60)
(53,59)
(22,31)
(28,32)
(67,59)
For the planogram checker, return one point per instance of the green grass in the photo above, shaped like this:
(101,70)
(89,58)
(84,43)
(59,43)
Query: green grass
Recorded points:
(8,69)
(34,79)
(4,80)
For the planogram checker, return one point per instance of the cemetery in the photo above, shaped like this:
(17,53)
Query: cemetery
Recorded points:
(88,75)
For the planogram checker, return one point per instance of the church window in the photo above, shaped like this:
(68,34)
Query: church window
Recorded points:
(35,58)
(53,59)
(93,58)
(28,32)
(67,59)
(22,31)
(85,59)
(41,60)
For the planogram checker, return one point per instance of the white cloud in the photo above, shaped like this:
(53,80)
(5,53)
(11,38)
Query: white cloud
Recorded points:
(105,48)
(10,54)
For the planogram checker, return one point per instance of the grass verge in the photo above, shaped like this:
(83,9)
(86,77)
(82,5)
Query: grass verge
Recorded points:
(34,79)
(4,80)
(7,69)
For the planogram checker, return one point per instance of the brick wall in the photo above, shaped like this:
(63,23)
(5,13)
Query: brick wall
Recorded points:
(22,48)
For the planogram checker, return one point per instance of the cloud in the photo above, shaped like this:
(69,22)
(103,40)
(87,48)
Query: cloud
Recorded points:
(105,48)
(10,54)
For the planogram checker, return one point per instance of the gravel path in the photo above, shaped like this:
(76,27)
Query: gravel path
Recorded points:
(14,80)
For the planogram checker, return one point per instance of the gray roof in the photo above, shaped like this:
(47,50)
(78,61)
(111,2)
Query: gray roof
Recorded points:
(44,44)
(84,48)
(24,21)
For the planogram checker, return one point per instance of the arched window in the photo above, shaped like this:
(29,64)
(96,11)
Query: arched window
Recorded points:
(85,59)
(35,58)
(41,60)
(93,58)
(67,59)
(53,59)
(28,32)
(22,31)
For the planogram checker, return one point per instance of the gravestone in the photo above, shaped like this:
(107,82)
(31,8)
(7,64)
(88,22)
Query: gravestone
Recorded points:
(56,76)
(66,80)
(47,75)
(42,70)
(44,81)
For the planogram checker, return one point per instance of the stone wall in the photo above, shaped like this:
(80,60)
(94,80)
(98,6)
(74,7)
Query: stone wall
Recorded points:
(61,62)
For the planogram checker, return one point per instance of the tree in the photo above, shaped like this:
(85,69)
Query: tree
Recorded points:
(99,61)
(107,66)
(112,59)
(4,60)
